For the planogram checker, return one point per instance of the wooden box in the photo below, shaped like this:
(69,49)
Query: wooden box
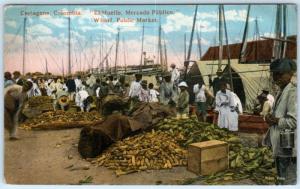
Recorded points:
(252,124)
(205,158)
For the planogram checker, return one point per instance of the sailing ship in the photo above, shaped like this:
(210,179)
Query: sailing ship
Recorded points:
(147,65)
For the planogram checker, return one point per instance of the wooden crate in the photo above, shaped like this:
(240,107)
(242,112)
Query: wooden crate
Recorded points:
(247,123)
(205,158)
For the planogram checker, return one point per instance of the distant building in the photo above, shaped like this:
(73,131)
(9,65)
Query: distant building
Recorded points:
(257,51)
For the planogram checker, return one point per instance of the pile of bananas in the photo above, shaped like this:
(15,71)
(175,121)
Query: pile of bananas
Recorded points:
(150,150)
(244,162)
(60,118)
(190,131)
(38,100)
(43,103)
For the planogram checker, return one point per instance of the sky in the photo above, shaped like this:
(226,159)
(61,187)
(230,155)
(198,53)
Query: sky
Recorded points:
(47,34)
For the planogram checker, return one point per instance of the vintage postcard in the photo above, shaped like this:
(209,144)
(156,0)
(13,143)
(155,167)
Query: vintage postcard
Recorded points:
(150,94)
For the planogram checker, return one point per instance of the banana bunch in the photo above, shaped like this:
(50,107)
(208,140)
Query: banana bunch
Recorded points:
(151,150)
(244,162)
(42,103)
(39,100)
(59,117)
(190,131)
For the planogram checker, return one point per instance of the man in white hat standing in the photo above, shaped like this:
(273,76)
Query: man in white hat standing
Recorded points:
(183,101)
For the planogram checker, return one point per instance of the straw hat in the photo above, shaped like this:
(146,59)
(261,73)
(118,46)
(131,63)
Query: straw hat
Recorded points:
(183,84)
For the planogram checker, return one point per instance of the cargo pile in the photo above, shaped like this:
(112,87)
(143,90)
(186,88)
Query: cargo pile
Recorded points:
(253,163)
(60,120)
(43,103)
(150,150)
(166,146)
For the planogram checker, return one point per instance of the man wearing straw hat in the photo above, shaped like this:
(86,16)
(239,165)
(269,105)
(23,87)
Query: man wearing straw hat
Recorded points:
(63,100)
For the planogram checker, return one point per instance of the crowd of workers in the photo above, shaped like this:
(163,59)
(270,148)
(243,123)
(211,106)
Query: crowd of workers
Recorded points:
(170,90)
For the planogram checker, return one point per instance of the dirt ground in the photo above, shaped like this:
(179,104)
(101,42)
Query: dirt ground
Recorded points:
(51,157)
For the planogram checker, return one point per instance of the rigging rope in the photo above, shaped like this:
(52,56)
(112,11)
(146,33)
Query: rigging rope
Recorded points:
(51,56)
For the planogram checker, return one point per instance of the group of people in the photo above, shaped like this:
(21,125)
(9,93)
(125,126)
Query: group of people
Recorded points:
(279,113)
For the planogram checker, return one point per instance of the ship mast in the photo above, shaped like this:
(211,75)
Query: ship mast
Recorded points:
(242,56)
(160,47)
(277,44)
(284,32)
(124,51)
(220,38)
(191,42)
(46,65)
(199,43)
(184,44)
(100,53)
(192,34)
(166,57)
(117,49)
(24,44)
(228,50)
(256,40)
(142,49)
(69,44)
(63,68)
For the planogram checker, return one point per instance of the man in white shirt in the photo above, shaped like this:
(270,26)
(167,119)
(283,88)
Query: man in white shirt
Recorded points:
(200,91)
(78,83)
(135,86)
(34,91)
(224,100)
(153,93)
(135,90)
(115,81)
(48,88)
(168,91)
(265,106)
(84,100)
(236,110)
(56,85)
(144,93)
(174,74)
(269,96)
(91,81)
